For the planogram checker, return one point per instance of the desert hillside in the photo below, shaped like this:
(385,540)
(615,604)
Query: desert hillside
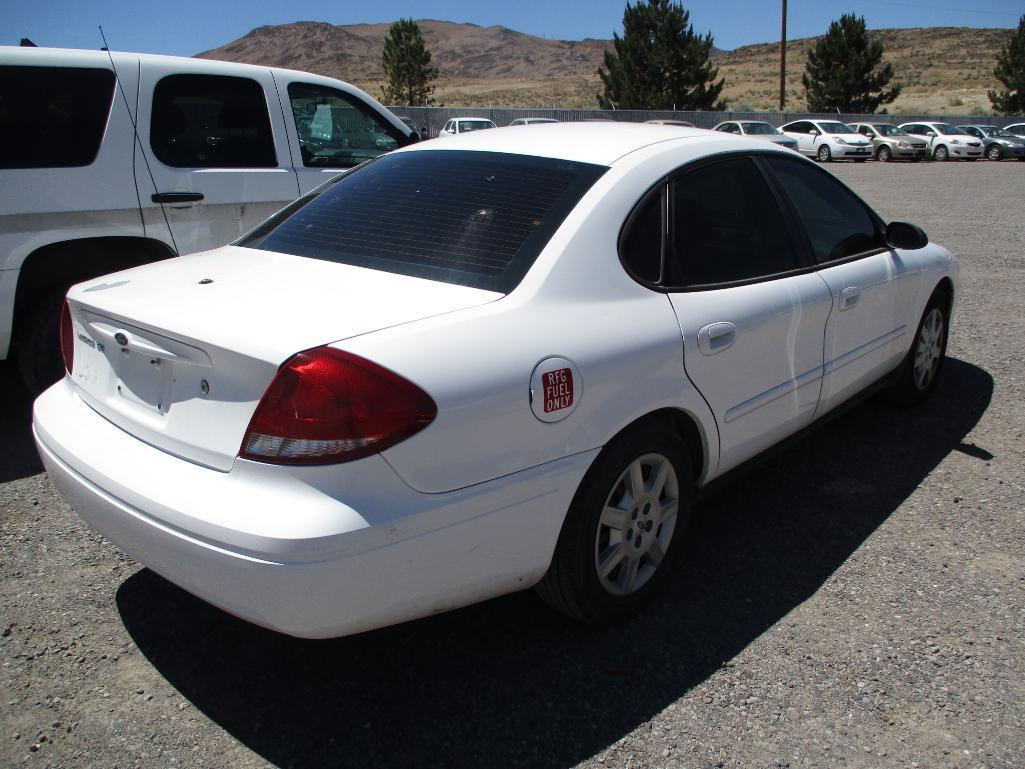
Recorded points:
(942,69)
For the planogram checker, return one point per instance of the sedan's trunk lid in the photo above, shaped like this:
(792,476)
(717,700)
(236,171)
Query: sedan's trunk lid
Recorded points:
(178,353)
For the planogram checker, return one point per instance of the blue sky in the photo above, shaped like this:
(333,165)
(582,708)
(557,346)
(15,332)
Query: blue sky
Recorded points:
(186,27)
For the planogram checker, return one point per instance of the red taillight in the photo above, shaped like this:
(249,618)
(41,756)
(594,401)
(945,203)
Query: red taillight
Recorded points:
(67,338)
(327,406)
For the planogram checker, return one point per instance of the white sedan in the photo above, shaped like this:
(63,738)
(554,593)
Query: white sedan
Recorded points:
(462,370)
(462,125)
(828,140)
(946,141)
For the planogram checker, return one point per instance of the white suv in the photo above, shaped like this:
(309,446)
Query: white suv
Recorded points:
(108,162)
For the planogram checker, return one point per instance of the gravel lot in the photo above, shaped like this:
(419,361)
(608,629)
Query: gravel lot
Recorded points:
(859,601)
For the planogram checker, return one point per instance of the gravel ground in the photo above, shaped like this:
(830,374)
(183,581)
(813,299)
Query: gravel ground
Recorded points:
(855,602)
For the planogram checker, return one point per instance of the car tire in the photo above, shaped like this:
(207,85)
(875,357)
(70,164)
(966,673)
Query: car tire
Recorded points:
(940,154)
(884,155)
(919,372)
(617,546)
(37,344)
(824,155)
(994,152)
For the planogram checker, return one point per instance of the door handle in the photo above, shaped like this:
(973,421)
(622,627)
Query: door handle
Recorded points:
(176,197)
(716,337)
(849,297)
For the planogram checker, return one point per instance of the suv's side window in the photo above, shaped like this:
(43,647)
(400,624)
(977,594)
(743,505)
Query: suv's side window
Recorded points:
(838,223)
(52,117)
(335,129)
(211,121)
(725,227)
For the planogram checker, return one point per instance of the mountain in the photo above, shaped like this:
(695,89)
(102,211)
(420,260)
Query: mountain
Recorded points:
(943,69)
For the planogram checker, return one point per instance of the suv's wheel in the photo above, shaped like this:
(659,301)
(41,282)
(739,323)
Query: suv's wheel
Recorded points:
(884,154)
(824,154)
(37,344)
(920,370)
(940,154)
(994,152)
(623,528)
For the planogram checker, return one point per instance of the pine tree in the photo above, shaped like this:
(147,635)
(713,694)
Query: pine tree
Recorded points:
(845,72)
(407,65)
(659,63)
(1010,71)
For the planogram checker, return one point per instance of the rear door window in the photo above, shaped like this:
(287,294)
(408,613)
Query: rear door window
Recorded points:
(53,117)
(336,130)
(211,121)
(476,219)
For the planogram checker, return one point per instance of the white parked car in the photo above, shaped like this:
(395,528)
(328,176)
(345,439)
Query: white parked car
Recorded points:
(946,141)
(828,140)
(1018,129)
(221,147)
(369,409)
(462,125)
(757,129)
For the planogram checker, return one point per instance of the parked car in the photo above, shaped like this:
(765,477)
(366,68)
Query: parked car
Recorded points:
(828,140)
(462,125)
(1018,129)
(757,129)
(946,141)
(680,123)
(218,151)
(532,120)
(997,143)
(374,410)
(891,143)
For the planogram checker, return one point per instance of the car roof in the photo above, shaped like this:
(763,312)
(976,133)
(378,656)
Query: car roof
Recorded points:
(601,143)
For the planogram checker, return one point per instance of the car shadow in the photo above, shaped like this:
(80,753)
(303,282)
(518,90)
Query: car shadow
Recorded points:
(509,682)
(19,458)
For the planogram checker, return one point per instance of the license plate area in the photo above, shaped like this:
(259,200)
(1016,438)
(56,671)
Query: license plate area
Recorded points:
(141,381)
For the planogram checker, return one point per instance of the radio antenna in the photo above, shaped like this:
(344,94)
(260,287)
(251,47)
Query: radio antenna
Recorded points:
(142,148)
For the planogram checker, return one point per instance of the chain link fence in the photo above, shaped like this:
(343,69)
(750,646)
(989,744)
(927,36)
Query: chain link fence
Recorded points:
(432,119)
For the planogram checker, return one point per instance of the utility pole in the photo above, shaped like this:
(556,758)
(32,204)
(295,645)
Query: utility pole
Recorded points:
(783,60)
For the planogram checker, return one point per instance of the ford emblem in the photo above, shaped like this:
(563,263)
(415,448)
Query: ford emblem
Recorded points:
(121,338)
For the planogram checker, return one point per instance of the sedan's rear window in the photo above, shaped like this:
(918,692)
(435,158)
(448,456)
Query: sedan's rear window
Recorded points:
(476,219)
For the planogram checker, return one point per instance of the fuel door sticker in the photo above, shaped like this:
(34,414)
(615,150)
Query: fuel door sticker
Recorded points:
(555,389)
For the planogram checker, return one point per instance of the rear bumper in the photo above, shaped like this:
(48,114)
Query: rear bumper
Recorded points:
(313,552)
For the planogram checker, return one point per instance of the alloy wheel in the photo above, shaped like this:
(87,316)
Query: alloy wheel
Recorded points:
(636,524)
(929,349)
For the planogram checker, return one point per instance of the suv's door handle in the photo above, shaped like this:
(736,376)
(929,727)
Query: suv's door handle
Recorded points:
(176,197)
(849,297)
(716,337)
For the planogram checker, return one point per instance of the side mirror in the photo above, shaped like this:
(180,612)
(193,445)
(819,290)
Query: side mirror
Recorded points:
(814,132)
(906,236)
